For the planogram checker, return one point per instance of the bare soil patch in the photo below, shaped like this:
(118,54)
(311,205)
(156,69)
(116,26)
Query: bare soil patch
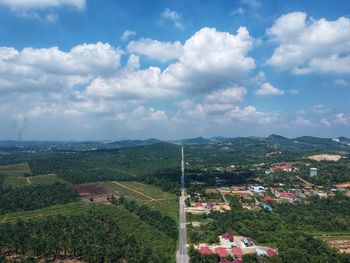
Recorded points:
(93,192)
(325,157)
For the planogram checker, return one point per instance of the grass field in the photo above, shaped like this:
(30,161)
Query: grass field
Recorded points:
(19,169)
(149,195)
(70,209)
(21,181)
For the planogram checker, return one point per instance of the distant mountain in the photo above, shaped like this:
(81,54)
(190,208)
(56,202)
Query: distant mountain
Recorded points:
(131,143)
(198,140)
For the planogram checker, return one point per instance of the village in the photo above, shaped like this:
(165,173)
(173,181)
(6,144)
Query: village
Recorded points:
(254,197)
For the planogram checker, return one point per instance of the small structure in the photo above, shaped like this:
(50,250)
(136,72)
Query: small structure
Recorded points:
(270,252)
(237,252)
(221,252)
(269,198)
(260,252)
(228,236)
(313,172)
(205,251)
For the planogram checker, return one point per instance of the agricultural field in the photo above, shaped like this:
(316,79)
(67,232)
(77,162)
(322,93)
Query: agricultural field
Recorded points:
(70,209)
(149,195)
(21,181)
(19,169)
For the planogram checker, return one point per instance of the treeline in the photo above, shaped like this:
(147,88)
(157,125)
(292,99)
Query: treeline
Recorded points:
(152,217)
(289,227)
(157,164)
(34,197)
(91,238)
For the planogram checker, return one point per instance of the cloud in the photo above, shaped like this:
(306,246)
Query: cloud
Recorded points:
(227,95)
(342,118)
(320,109)
(267,89)
(212,60)
(302,121)
(25,5)
(308,45)
(174,17)
(253,4)
(162,51)
(293,91)
(340,82)
(127,34)
(52,69)
(239,11)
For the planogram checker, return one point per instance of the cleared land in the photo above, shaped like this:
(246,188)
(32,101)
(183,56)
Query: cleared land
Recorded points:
(19,169)
(342,243)
(20,181)
(325,157)
(70,209)
(149,195)
(93,192)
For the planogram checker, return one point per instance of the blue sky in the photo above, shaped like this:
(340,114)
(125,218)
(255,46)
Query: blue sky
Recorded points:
(113,69)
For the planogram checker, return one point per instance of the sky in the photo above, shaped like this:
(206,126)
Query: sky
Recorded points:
(124,69)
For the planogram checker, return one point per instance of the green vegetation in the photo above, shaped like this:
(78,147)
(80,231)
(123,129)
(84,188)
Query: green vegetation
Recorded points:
(69,209)
(34,197)
(105,234)
(92,237)
(149,195)
(152,217)
(286,228)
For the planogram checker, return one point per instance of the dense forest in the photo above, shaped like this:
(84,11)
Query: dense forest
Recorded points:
(93,238)
(34,197)
(289,227)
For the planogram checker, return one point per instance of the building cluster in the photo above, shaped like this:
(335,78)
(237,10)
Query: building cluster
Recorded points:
(234,247)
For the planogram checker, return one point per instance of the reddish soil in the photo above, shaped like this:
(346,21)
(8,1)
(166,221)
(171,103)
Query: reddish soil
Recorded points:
(93,192)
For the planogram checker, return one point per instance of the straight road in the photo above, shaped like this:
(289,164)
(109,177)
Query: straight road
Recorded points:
(182,256)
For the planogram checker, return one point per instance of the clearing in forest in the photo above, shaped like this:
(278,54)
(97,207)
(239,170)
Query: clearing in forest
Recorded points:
(152,196)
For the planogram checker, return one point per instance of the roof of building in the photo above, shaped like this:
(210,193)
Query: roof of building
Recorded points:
(205,251)
(282,167)
(284,195)
(237,252)
(221,252)
(269,198)
(271,252)
(228,235)
(198,204)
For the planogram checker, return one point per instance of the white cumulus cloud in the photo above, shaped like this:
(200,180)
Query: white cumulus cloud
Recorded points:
(42,4)
(227,95)
(267,89)
(308,45)
(162,51)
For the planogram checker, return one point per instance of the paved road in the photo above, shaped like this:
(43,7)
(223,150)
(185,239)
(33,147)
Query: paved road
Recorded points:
(223,196)
(182,256)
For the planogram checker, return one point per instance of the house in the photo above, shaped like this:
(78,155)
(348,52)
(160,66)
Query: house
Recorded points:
(221,252)
(237,252)
(257,189)
(270,252)
(285,195)
(205,251)
(269,198)
(198,204)
(285,168)
(228,236)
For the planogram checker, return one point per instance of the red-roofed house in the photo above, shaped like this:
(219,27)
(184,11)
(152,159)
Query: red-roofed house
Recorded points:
(228,236)
(284,195)
(221,252)
(205,251)
(271,253)
(269,198)
(198,204)
(237,252)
